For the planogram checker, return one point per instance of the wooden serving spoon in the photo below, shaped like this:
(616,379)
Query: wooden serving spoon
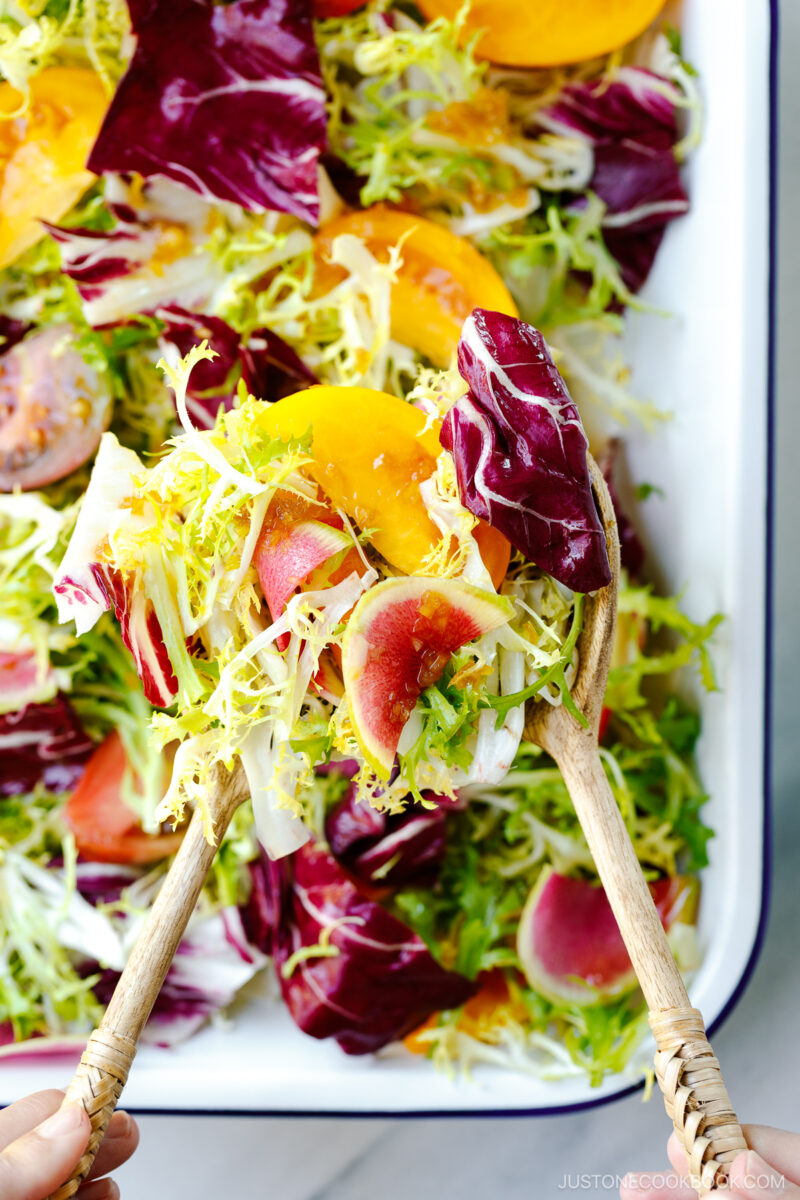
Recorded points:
(687,1071)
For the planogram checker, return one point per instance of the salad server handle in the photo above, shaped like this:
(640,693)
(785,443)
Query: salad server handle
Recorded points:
(687,1071)
(105,1063)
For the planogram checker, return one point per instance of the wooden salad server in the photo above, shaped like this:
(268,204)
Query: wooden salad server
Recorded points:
(688,1073)
(106,1061)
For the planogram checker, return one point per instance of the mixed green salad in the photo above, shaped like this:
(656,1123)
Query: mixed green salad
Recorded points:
(299,331)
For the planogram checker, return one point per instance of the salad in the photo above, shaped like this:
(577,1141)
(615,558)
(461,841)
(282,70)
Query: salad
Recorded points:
(304,335)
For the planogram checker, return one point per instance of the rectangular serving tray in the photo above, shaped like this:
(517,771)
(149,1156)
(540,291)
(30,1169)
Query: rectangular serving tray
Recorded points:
(709,364)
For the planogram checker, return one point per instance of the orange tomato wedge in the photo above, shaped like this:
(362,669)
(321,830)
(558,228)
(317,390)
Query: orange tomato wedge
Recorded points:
(443,277)
(548,33)
(43,152)
(371,451)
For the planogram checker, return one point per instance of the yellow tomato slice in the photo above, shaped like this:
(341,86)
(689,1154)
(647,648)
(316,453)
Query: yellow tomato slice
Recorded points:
(43,152)
(443,277)
(548,33)
(371,451)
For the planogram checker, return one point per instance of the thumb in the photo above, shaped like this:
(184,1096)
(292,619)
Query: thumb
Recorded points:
(754,1179)
(36,1164)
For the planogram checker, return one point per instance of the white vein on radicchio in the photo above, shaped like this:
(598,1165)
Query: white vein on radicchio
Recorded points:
(226,99)
(630,122)
(520,451)
(270,369)
(119,271)
(377,980)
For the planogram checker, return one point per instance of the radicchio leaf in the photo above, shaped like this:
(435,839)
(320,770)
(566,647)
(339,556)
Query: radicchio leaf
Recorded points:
(380,848)
(42,743)
(380,982)
(214,960)
(119,272)
(226,99)
(270,369)
(630,121)
(141,632)
(11,332)
(85,587)
(104,883)
(520,451)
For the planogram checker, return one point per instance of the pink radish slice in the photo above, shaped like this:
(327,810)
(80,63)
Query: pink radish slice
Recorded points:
(568,933)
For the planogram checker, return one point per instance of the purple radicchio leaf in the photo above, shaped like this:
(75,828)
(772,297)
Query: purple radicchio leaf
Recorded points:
(375,979)
(119,272)
(226,99)
(212,963)
(270,369)
(631,550)
(520,451)
(42,743)
(379,848)
(11,332)
(141,632)
(631,124)
(103,883)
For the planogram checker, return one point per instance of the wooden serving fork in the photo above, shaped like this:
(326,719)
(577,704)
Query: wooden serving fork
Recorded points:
(686,1069)
(688,1073)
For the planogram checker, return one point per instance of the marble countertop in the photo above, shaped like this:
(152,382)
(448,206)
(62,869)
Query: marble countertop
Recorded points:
(312,1159)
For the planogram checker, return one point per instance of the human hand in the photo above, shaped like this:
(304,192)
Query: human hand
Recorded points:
(41,1144)
(771,1168)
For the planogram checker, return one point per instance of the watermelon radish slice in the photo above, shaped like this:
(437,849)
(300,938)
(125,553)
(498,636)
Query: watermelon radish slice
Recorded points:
(568,933)
(284,557)
(398,641)
(22,682)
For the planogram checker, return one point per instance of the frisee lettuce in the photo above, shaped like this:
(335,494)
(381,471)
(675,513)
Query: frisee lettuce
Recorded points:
(96,670)
(411,114)
(42,33)
(509,831)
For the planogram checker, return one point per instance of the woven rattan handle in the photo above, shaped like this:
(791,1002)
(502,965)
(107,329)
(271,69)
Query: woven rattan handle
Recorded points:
(106,1061)
(695,1097)
(96,1085)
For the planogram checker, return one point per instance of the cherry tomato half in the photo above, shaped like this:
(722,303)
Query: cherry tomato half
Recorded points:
(105,829)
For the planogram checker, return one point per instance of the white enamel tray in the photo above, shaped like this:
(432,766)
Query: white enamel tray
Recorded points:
(710,533)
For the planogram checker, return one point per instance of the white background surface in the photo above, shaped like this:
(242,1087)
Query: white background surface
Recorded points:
(347,1159)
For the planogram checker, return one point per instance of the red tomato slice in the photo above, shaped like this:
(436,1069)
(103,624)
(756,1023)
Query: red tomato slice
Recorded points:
(105,829)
